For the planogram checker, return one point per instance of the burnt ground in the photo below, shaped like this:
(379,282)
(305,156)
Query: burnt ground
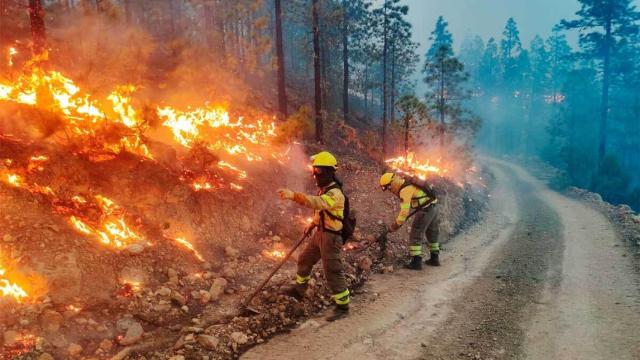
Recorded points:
(183,307)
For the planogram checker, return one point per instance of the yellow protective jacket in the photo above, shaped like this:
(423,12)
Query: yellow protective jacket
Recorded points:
(331,201)
(412,198)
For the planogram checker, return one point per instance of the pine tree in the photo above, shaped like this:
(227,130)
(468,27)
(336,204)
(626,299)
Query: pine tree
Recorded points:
(390,10)
(510,48)
(603,26)
(445,77)
(490,66)
(440,37)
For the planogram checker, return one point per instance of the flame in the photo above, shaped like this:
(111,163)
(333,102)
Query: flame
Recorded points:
(410,165)
(85,117)
(275,254)
(89,120)
(233,137)
(12,53)
(181,240)
(74,308)
(14,180)
(110,228)
(9,288)
(25,343)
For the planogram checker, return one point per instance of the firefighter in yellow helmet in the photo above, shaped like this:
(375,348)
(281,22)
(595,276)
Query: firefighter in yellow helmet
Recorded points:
(326,243)
(423,206)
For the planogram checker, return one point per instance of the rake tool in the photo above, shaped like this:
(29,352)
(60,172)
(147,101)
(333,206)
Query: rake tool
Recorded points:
(246,307)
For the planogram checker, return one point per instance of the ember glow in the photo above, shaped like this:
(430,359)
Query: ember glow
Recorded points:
(10,289)
(111,228)
(275,254)
(412,166)
(182,241)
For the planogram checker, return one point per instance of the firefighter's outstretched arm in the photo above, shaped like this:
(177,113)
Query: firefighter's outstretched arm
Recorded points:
(322,202)
(405,209)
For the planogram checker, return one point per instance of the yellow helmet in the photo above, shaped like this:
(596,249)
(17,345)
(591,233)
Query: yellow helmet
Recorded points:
(386,179)
(324,158)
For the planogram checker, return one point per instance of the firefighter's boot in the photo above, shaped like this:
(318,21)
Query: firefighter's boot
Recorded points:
(415,264)
(434,260)
(296,291)
(339,312)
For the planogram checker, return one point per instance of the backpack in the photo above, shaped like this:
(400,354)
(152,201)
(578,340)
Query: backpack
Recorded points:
(349,217)
(421,184)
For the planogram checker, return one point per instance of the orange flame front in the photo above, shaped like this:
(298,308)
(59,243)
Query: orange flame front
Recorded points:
(111,228)
(8,288)
(410,165)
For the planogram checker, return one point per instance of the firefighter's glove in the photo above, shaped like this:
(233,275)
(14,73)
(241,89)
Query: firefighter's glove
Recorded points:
(393,227)
(286,194)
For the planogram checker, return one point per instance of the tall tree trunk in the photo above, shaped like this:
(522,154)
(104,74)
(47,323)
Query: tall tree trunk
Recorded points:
(392,110)
(282,91)
(406,135)
(441,105)
(345,60)
(366,89)
(604,111)
(316,71)
(38,34)
(385,46)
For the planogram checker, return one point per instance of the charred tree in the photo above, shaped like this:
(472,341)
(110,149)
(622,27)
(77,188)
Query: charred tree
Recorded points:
(282,90)
(38,33)
(316,70)
(345,60)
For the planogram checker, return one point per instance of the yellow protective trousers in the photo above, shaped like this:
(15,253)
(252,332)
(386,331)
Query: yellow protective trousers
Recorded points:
(325,246)
(426,223)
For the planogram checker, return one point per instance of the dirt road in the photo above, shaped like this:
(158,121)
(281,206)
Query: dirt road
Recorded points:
(541,277)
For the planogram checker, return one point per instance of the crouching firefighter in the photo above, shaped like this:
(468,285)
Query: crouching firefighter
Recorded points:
(331,208)
(418,200)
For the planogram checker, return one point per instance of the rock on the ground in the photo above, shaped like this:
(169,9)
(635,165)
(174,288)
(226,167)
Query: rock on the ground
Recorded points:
(45,356)
(74,350)
(178,298)
(51,321)
(217,288)
(135,249)
(208,342)
(133,335)
(239,338)
(231,252)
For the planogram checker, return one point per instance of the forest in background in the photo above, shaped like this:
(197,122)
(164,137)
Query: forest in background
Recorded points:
(577,109)
(347,69)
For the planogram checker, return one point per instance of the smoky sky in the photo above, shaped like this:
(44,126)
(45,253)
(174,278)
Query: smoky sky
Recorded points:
(488,17)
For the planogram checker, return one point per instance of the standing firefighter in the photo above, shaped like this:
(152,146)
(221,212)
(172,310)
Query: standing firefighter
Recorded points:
(326,243)
(420,201)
